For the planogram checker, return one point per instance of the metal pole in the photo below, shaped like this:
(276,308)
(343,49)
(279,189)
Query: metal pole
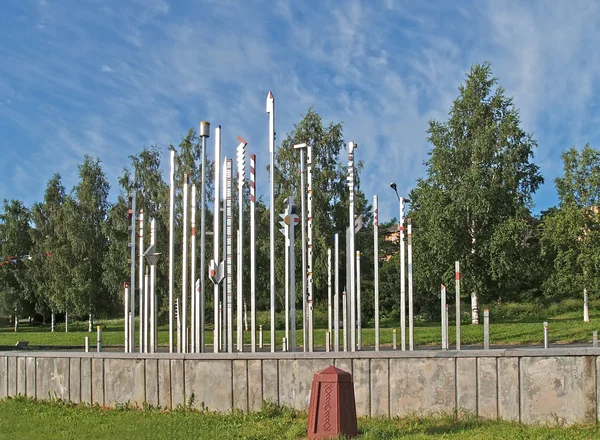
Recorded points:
(225,279)
(253,253)
(141,280)
(292,254)
(345,319)
(216,267)
(126,317)
(358,304)
(184,268)
(193,298)
(395,339)
(486,329)
(595,339)
(271,112)
(228,256)
(200,343)
(153,287)
(241,166)
(327,341)
(457,269)
(376,266)
(402,280)
(310,251)
(336,296)
(146,307)
(447,320)
(546,335)
(171,247)
(443,314)
(329,305)
(352,328)
(260,337)
(411,339)
(303,225)
(86,344)
(99,339)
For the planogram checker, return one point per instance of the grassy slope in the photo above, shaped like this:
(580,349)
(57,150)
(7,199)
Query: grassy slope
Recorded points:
(22,418)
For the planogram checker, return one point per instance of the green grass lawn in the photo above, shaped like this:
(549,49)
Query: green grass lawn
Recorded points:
(22,418)
(511,324)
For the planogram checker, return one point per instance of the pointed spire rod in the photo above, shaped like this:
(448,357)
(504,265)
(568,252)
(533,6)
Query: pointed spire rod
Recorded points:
(271,111)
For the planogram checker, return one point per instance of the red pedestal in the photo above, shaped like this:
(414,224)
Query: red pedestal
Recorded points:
(332,410)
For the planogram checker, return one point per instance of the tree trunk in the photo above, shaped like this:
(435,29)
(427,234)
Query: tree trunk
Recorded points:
(474,309)
(52,321)
(90,323)
(16,322)
(586,305)
(66,321)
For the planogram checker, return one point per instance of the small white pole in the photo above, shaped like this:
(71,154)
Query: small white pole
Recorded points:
(546,334)
(402,280)
(336,296)
(241,167)
(358,304)
(271,111)
(486,329)
(215,264)
(146,311)
(153,331)
(193,298)
(253,253)
(141,281)
(132,227)
(329,304)
(200,324)
(327,341)
(260,336)
(457,270)
(171,249)
(52,322)
(87,344)
(351,251)
(99,338)
(395,339)
(126,317)
(595,339)
(228,255)
(184,287)
(443,315)
(376,266)
(411,338)
(303,226)
(345,319)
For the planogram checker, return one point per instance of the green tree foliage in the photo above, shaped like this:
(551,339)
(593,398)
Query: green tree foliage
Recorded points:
(572,232)
(479,183)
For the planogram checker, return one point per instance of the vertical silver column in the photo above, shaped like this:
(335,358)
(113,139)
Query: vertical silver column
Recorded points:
(184,269)
(141,281)
(457,269)
(358,305)
(171,246)
(402,280)
(376,266)
(132,281)
(228,256)
(241,166)
(151,254)
(193,298)
(126,317)
(216,266)
(444,324)
(146,308)
(411,340)
(351,250)
(253,252)
(271,112)
(200,320)
(329,304)
(336,296)
(303,225)
(310,250)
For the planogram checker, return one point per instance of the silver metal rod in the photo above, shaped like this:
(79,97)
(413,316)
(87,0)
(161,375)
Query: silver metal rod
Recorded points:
(376,266)
(345,318)
(351,251)
(402,280)
(395,339)
(311,332)
(546,335)
(486,329)
(287,282)
(126,317)
(153,332)
(99,339)
(303,226)
(329,304)
(411,338)
(141,281)
(457,270)
(327,341)
(253,254)
(447,320)
(228,255)
(595,339)
(216,262)
(358,304)
(260,337)
(292,253)
(200,342)
(239,300)
(271,112)
(146,307)
(193,298)
(224,321)
(336,296)
(86,342)
(443,315)
(184,268)
(241,166)
(171,248)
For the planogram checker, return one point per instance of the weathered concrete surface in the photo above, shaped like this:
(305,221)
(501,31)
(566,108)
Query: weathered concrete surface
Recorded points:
(178,396)
(30,377)
(152,382)
(3,377)
(164,383)
(240,385)
(255,396)
(487,388)
(466,385)
(295,380)
(362,386)
(86,380)
(556,388)
(380,389)
(98,381)
(21,376)
(75,380)
(270,380)
(508,388)
(52,378)
(124,381)
(211,384)
(12,376)
(421,386)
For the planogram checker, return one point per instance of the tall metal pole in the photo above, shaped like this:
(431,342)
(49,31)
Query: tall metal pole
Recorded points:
(292,254)
(303,225)
(457,270)
(411,341)
(286,233)
(376,266)
(141,281)
(443,310)
(352,328)
(126,317)
(146,311)
(152,287)
(271,112)
(336,296)
(310,250)
(345,318)
(216,266)
(358,304)
(329,304)
(184,268)
(402,280)
(200,343)
(241,166)
(193,298)
(253,252)
(228,256)
(171,246)
(132,280)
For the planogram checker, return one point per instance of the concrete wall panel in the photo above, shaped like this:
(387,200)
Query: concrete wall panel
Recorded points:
(422,386)
(177,383)
(152,382)
(270,380)
(508,388)
(380,390)
(487,386)
(52,378)
(295,380)
(466,385)
(558,388)
(12,376)
(255,397)
(86,380)
(21,376)
(240,385)
(124,381)
(75,380)
(30,377)
(98,381)
(164,383)
(3,377)
(211,383)
(362,386)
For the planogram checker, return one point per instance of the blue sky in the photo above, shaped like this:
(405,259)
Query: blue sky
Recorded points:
(109,77)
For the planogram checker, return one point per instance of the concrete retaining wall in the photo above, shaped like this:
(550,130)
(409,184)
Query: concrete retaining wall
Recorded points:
(530,386)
